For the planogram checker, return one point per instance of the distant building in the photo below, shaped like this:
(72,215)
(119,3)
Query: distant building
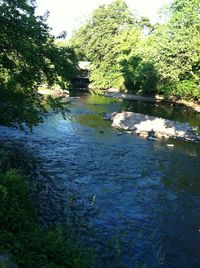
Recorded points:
(82,80)
(85,67)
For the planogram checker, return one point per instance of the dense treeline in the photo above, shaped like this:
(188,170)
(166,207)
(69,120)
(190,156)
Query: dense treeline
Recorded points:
(28,57)
(131,54)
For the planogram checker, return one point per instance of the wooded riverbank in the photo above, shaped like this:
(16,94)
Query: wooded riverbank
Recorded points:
(115,93)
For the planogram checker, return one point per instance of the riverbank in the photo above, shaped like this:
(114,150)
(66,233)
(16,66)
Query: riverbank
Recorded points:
(24,242)
(153,127)
(115,93)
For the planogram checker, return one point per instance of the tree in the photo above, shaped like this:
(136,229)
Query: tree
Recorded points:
(101,40)
(134,55)
(175,50)
(28,57)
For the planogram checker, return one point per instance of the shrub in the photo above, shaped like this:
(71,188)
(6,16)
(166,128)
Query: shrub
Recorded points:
(186,89)
(30,244)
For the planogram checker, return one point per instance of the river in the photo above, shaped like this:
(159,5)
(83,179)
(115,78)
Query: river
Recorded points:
(135,200)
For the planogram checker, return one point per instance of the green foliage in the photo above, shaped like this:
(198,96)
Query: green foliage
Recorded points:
(102,40)
(30,244)
(140,57)
(175,50)
(28,57)
(140,76)
(125,53)
(186,89)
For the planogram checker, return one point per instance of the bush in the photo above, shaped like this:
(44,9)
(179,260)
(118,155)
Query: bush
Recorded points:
(186,89)
(30,244)
(140,76)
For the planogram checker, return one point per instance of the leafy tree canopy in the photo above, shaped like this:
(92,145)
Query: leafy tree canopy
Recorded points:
(134,55)
(175,50)
(102,39)
(28,57)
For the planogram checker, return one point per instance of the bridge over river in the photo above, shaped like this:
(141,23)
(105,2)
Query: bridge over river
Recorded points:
(82,80)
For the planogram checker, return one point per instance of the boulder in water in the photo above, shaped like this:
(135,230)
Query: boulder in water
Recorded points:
(155,127)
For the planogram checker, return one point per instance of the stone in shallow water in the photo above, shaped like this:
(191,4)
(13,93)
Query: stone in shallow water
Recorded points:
(150,126)
(170,145)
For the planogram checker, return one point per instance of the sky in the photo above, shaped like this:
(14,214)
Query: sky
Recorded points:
(68,15)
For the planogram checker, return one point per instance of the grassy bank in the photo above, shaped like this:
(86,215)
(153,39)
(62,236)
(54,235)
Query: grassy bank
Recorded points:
(21,235)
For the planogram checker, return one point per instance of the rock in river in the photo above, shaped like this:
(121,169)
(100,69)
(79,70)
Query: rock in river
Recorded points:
(150,126)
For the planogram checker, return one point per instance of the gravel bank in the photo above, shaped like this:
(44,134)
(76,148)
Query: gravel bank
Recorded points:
(153,127)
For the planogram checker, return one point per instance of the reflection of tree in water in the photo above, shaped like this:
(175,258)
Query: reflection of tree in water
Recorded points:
(179,176)
(100,104)
(93,121)
(178,203)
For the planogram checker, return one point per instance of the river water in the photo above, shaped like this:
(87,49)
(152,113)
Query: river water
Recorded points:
(135,201)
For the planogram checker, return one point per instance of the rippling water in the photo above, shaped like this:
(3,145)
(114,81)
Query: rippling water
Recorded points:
(137,201)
